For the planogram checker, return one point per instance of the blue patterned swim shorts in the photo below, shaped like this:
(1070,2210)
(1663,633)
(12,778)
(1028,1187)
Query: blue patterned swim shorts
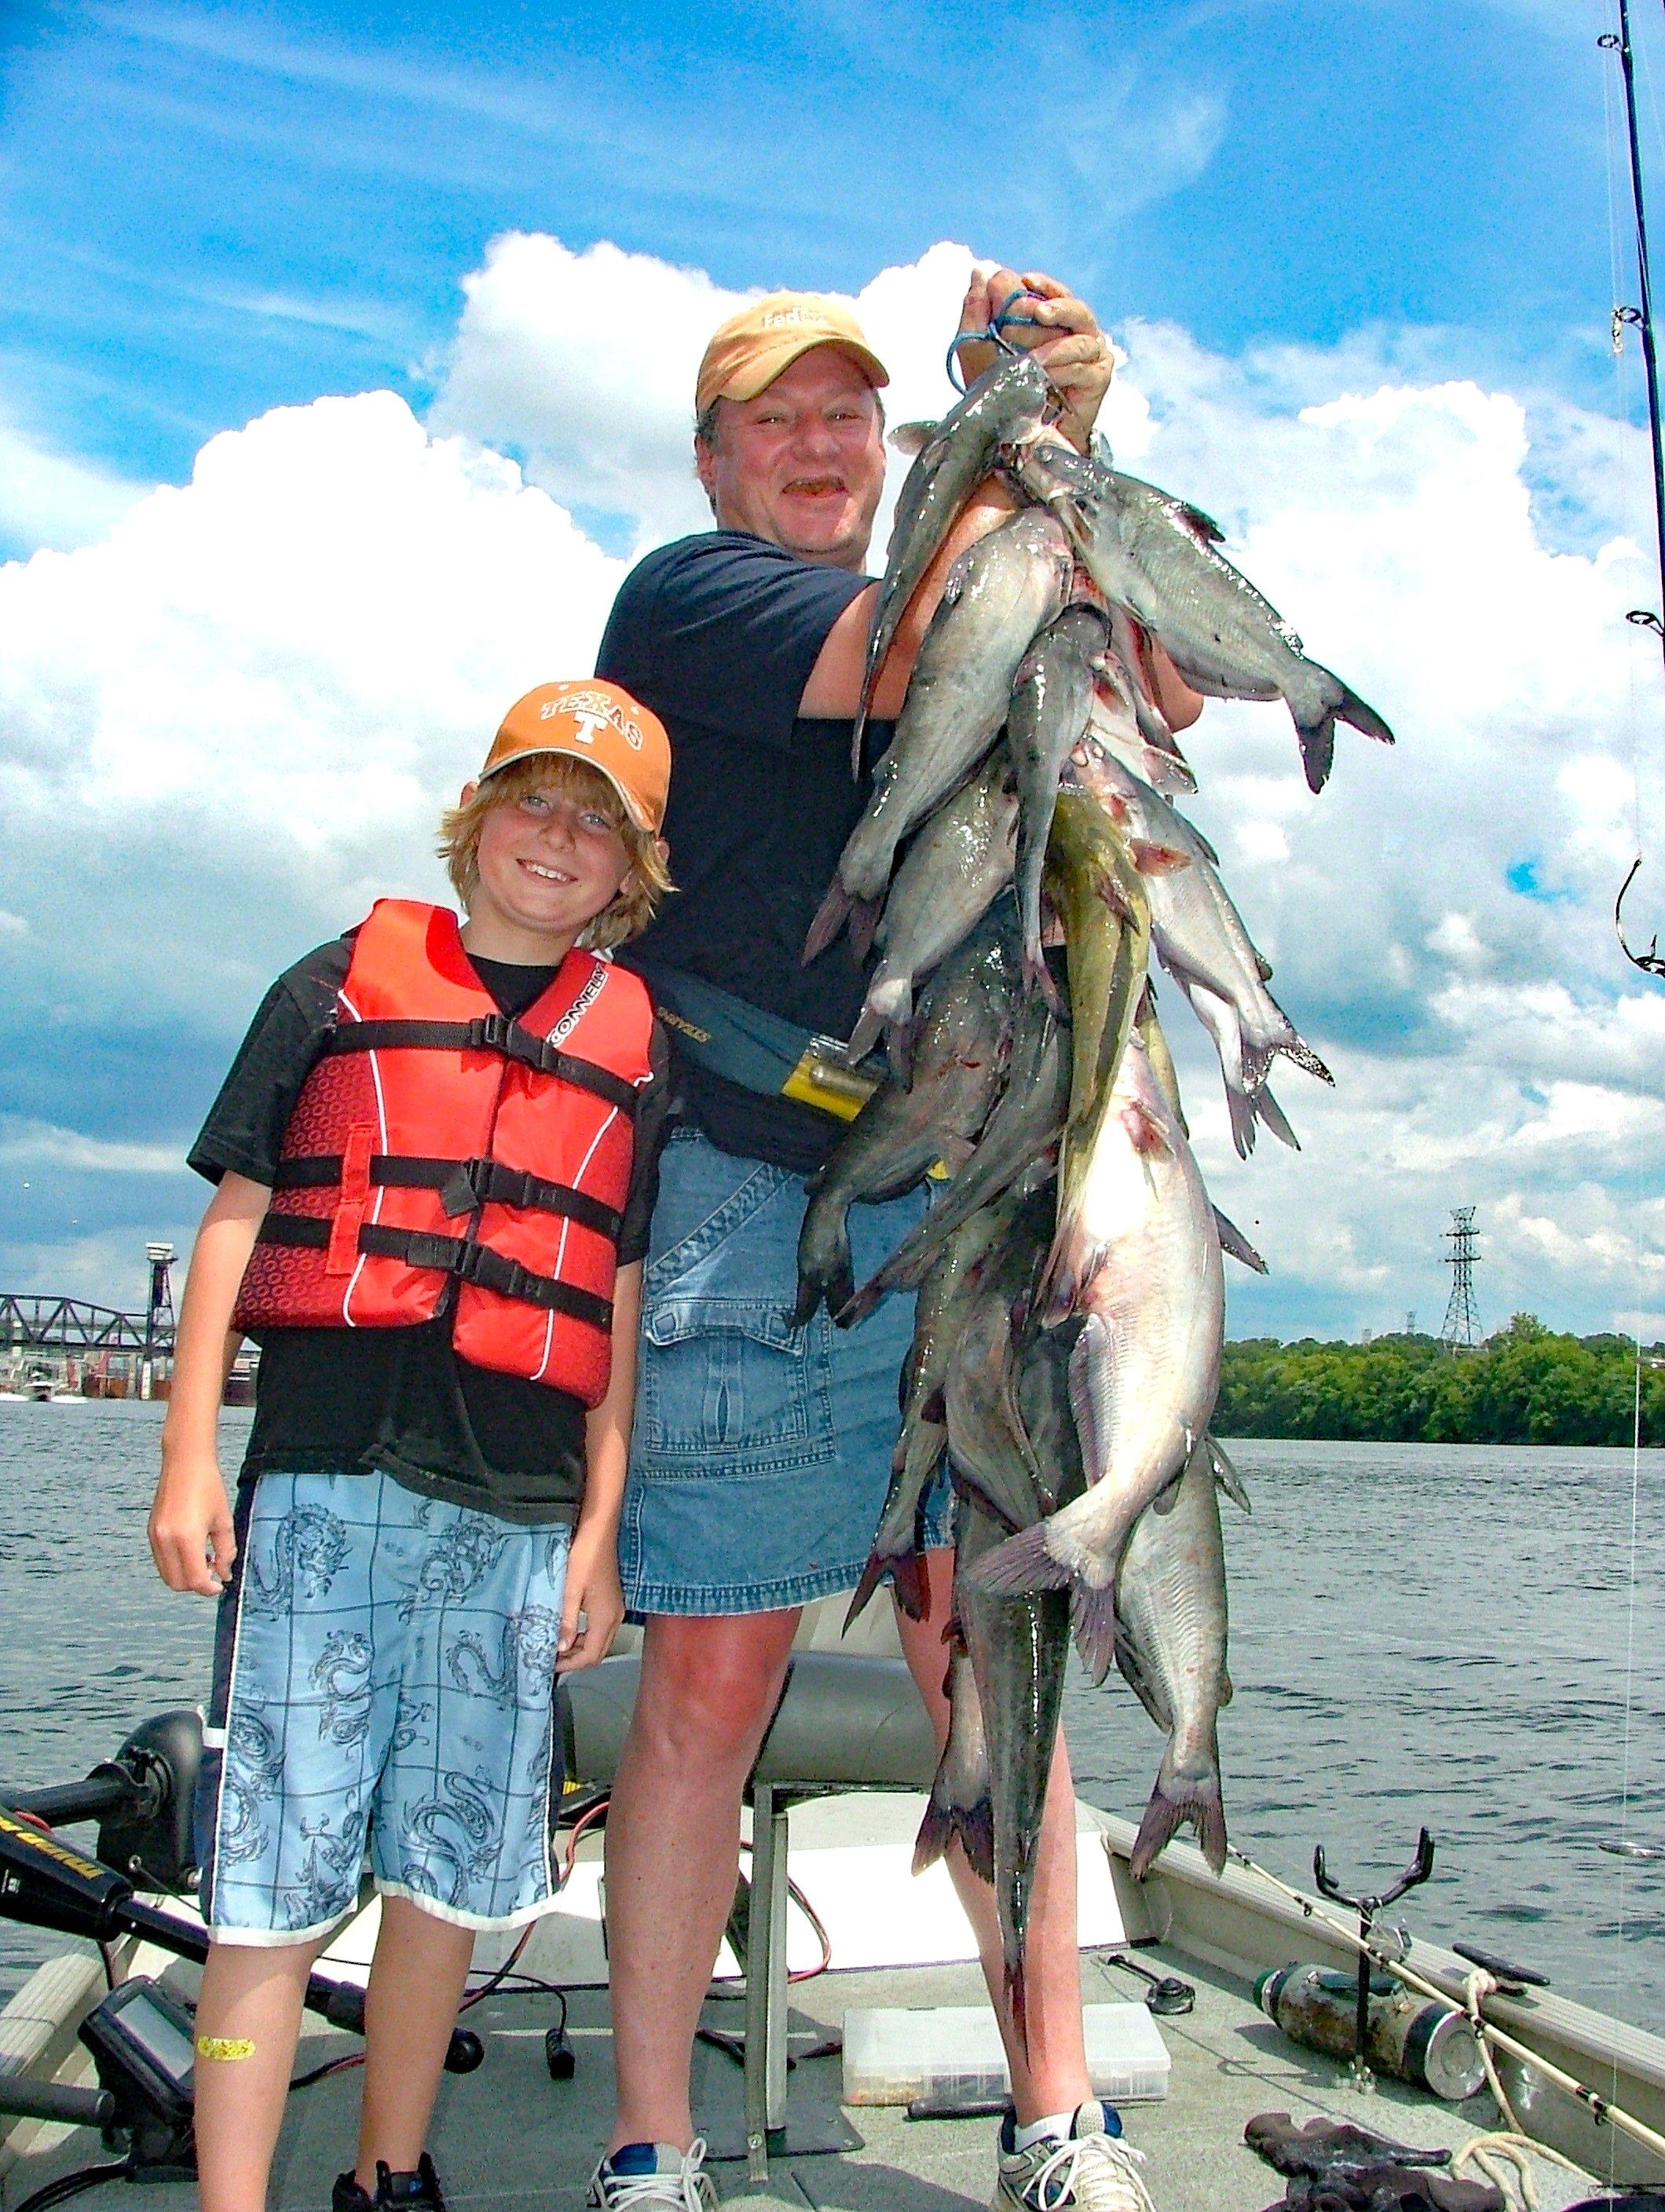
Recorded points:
(383,1669)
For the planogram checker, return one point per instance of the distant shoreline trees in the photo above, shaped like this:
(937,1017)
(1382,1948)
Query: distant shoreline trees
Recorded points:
(1526,1385)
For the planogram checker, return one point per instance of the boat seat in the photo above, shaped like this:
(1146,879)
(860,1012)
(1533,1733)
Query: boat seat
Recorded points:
(846,1721)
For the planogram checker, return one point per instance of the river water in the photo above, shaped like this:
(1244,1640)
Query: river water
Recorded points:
(1420,1633)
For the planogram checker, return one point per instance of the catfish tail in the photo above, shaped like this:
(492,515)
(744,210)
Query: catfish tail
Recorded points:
(1095,1629)
(903,1573)
(831,917)
(1020,1564)
(973,1824)
(1175,1799)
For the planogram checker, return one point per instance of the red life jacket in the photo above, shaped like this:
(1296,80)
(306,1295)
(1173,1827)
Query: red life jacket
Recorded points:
(437,1144)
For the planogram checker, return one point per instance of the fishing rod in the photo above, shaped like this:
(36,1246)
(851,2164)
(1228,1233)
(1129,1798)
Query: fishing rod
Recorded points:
(1642,319)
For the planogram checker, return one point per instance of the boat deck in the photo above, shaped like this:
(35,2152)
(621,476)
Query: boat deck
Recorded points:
(509,2132)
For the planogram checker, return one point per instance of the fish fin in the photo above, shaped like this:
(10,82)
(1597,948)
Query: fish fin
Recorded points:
(1201,526)
(1071,1265)
(1038,977)
(1158,860)
(864,1037)
(973,1824)
(899,1039)
(1175,1799)
(1317,751)
(824,1266)
(1356,715)
(1233,1241)
(934,1412)
(908,1582)
(834,911)
(1267,1109)
(1088,1362)
(1227,1476)
(1228,1688)
(936,1833)
(975,1829)
(912,438)
(872,1576)
(1241,1108)
(1144,1132)
(1303,1054)
(1095,1629)
(864,920)
(1263,967)
(1020,1564)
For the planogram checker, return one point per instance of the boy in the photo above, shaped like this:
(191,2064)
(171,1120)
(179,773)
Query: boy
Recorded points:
(434,1159)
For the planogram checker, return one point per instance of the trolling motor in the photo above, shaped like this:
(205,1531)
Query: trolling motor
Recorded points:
(143,2039)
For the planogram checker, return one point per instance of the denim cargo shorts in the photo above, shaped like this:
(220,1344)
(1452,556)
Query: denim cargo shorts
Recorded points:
(761,1453)
(384,1665)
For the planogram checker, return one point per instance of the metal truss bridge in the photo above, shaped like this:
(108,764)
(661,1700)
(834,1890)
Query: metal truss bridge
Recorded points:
(33,1321)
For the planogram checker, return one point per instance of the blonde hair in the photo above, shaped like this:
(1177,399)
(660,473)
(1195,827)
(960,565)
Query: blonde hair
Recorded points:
(634,905)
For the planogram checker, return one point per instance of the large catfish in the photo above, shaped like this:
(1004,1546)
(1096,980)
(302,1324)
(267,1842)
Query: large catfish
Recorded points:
(1199,934)
(955,867)
(1169,1642)
(899,1134)
(1160,559)
(999,592)
(1006,406)
(1142,1258)
(1017,1651)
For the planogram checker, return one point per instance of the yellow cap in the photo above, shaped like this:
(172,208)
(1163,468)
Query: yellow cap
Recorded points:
(597,722)
(751,349)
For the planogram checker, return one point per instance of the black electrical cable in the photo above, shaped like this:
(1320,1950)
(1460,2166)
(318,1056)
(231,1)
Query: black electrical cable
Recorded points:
(72,2185)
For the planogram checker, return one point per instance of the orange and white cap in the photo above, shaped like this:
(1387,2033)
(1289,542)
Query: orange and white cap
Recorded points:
(594,721)
(751,349)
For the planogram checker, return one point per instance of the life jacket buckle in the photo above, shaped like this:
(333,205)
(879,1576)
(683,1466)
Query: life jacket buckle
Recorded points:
(465,1188)
(491,1032)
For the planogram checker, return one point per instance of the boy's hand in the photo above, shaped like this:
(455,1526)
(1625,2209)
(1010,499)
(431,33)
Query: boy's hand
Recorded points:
(593,1590)
(190,1527)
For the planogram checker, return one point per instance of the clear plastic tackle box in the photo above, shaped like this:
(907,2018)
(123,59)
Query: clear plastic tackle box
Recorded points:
(892,2055)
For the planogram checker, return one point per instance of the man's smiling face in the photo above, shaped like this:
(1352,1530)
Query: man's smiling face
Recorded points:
(803,464)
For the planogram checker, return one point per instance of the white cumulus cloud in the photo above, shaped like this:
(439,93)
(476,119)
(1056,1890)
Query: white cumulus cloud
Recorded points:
(225,725)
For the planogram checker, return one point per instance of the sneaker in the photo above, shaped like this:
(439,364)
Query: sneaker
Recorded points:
(1091,2169)
(653,2174)
(419,2190)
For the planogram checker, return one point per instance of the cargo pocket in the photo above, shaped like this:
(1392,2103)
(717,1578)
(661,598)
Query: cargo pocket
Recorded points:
(726,1385)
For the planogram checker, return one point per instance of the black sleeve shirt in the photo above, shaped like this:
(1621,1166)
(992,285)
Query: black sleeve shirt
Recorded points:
(399,1399)
(718,635)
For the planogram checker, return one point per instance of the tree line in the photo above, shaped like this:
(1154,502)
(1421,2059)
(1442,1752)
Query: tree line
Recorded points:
(1526,1385)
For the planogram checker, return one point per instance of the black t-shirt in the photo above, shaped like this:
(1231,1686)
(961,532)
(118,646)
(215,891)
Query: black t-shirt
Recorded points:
(351,1401)
(718,635)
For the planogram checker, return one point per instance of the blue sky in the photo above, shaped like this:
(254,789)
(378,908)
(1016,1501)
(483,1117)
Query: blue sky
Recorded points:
(208,210)
(1360,255)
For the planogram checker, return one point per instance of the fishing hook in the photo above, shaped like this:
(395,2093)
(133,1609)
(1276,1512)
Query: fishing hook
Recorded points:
(1649,961)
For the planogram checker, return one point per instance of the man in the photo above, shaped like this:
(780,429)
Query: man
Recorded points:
(760,1458)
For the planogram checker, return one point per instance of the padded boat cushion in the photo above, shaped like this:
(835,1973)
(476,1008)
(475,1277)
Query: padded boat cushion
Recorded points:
(843,1723)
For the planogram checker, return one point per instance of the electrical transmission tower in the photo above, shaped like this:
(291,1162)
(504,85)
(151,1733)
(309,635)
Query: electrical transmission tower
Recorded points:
(1462,1323)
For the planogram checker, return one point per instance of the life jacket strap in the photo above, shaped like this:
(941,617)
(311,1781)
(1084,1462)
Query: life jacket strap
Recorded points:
(496,1033)
(450,1256)
(463,1185)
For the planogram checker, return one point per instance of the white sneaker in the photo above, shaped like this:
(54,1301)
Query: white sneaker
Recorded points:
(676,2177)
(1090,2170)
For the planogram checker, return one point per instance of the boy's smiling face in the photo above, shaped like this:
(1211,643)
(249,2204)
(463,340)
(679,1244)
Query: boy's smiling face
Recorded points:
(548,862)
